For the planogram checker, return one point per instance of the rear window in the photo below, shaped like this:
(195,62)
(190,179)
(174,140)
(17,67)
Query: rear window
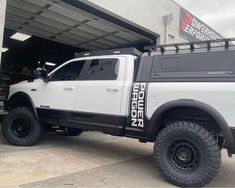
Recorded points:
(103,69)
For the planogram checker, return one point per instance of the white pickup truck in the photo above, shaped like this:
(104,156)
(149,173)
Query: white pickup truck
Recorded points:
(181,100)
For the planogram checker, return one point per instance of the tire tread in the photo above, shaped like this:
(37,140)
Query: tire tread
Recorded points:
(214,151)
(31,140)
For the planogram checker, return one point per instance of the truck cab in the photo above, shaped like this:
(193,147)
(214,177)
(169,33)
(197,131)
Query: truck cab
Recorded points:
(92,91)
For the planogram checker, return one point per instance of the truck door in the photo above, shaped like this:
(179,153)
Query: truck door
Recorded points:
(56,98)
(99,95)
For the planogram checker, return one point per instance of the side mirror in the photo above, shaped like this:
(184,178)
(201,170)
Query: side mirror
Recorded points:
(41,73)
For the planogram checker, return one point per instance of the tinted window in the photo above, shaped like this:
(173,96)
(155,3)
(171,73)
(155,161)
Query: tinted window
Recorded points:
(170,64)
(68,72)
(194,65)
(103,69)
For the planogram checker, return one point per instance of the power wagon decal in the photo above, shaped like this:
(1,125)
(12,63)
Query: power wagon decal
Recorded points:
(138,105)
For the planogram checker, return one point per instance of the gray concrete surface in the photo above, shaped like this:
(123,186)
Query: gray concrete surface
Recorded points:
(91,160)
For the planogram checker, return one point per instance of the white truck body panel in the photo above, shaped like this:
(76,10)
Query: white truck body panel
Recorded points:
(57,94)
(103,97)
(219,96)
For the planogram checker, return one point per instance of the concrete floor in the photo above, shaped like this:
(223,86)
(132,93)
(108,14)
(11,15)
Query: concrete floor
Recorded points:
(91,160)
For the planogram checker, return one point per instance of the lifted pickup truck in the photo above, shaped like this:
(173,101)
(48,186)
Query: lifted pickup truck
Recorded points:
(182,99)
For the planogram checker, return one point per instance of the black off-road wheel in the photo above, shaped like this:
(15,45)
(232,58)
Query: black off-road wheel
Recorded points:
(72,132)
(187,155)
(20,128)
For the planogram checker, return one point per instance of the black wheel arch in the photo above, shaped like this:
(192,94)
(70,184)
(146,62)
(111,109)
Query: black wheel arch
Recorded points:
(21,99)
(154,123)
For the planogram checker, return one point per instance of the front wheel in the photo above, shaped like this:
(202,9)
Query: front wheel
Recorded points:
(20,128)
(187,155)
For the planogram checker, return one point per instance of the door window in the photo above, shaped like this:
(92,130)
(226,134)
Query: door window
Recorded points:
(68,72)
(103,69)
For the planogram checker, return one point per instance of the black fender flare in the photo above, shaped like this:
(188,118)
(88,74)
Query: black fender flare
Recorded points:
(19,96)
(153,127)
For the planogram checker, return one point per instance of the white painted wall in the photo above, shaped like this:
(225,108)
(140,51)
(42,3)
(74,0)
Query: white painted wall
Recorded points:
(2,23)
(146,13)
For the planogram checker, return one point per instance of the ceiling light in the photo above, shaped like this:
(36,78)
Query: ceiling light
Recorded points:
(4,50)
(50,64)
(20,36)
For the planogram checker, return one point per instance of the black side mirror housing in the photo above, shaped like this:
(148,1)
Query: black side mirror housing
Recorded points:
(41,73)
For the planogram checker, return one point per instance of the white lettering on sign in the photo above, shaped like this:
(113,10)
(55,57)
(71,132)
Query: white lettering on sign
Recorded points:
(193,29)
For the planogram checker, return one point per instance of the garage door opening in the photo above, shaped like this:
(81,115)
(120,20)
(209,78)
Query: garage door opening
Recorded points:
(23,53)
(60,28)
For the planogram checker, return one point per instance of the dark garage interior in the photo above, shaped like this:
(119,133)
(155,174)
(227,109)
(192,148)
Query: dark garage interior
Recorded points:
(56,31)
(25,56)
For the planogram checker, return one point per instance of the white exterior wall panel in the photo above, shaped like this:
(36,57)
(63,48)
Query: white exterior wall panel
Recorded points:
(2,23)
(148,14)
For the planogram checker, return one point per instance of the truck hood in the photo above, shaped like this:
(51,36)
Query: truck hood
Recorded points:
(25,86)
(29,81)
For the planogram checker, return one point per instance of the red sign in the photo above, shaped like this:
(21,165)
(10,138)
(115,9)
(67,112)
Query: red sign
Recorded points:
(193,29)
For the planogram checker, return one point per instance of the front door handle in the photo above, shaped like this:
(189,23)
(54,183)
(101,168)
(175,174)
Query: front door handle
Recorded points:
(69,89)
(112,89)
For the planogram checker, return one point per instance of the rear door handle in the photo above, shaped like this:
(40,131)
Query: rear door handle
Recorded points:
(112,89)
(69,89)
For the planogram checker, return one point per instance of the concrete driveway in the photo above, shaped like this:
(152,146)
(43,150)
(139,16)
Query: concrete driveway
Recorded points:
(90,160)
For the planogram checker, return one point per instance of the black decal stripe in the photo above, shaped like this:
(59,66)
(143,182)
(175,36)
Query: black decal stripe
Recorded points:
(88,121)
(134,127)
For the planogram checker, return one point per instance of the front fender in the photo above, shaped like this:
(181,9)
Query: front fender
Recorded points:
(21,99)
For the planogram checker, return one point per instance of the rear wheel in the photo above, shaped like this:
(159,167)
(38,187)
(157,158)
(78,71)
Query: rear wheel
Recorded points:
(20,127)
(186,154)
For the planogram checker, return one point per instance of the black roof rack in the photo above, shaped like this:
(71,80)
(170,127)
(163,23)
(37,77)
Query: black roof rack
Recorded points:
(208,45)
(129,51)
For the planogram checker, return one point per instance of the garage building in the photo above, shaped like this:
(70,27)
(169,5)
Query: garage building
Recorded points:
(53,31)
